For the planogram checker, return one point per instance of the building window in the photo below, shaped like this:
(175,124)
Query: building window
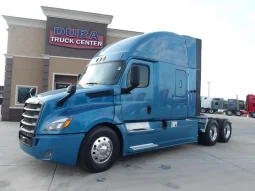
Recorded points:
(23,93)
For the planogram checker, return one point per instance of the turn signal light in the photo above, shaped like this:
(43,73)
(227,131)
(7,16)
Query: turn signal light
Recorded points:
(66,123)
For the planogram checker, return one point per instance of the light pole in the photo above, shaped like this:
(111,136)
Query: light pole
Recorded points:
(209,88)
(237,103)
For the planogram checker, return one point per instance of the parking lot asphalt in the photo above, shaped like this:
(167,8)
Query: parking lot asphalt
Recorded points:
(190,167)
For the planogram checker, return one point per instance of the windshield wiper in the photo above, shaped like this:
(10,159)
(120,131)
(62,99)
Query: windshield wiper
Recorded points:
(93,83)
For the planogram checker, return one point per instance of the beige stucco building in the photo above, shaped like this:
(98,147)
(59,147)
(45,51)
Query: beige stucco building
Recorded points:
(49,54)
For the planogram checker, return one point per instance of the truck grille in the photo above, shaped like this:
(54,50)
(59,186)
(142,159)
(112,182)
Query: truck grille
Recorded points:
(30,117)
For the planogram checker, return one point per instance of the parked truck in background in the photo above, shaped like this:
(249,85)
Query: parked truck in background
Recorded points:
(236,107)
(211,105)
(250,105)
(139,94)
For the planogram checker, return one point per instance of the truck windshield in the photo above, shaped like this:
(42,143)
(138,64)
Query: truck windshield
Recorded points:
(106,73)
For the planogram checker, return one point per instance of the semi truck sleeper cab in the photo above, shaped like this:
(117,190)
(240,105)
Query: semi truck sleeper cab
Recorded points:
(136,95)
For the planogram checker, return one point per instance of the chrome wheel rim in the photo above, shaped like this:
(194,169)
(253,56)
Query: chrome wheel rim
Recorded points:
(229,112)
(227,131)
(101,150)
(238,113)
(253,115)
(213,133)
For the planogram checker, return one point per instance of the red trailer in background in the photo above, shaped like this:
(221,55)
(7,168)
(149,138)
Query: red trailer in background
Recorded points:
(250,105)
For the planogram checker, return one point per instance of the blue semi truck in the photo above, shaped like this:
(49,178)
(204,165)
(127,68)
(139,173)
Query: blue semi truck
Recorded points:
(139,94)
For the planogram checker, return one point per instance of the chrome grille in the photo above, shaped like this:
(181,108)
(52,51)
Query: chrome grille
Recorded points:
(30,116)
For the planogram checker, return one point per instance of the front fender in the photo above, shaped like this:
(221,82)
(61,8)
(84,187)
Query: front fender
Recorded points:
(90,124)
(83,118)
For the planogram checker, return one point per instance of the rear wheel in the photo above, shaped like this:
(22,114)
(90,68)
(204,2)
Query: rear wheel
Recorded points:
(211,135)
(225,130)
(99,149)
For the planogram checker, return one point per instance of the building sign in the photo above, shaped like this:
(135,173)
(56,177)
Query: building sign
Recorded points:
(75,38)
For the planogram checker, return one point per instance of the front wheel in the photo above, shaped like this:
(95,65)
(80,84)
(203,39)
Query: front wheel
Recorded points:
(253,115)
(211,135)
(229,113)
(238,113)
(99,149)
(203,110)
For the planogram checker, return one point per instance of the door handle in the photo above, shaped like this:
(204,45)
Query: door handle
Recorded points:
(149,109)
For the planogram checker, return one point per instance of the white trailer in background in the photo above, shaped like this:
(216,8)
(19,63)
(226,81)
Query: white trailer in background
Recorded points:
(206,103)
(211,105)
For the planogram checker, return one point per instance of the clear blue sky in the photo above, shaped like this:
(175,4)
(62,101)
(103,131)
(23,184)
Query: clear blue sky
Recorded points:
(226,28)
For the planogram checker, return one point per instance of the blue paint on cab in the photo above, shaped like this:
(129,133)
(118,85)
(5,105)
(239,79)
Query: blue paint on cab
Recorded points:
(168,94)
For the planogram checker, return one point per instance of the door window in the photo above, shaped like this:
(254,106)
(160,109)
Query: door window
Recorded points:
(144,76)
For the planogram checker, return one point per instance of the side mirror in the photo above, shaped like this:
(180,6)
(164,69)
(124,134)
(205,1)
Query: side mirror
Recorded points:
(135,76)
(32,92)
(134,79)
(79,76)
(71,89)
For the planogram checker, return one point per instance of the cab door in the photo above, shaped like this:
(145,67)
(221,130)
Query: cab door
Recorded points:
(180,101)
(138,104)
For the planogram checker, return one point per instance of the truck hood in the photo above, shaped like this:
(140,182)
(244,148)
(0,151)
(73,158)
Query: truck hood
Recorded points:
(87,90)
(86,103)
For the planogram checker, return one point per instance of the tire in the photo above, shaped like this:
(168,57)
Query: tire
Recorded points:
(211,111)
(104,137)
(238,113)
(225,130)
(211,135)
(203,110)
(229,112)
(253,115)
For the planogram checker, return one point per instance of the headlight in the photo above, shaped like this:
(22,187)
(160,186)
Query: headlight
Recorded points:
(58,125)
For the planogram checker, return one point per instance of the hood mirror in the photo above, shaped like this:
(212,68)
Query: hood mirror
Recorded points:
(71,89)
(78,77)
(32,92)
